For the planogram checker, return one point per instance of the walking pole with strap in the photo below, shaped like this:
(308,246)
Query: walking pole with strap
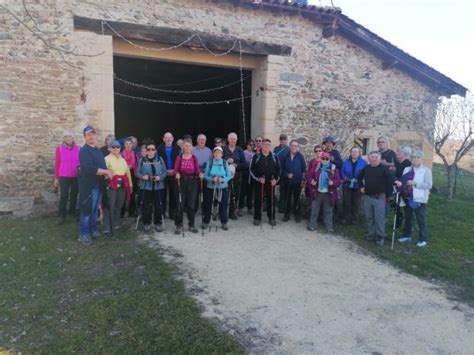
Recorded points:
(219,199)
(181,209)
(212,204)
(272,191)
(397,198)
(262,186)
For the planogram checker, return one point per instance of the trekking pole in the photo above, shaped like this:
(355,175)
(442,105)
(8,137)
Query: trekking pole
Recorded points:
(272,190)
(397,196)
(212,205)
(181,209)
(201,202)
(112,236)
(219,199)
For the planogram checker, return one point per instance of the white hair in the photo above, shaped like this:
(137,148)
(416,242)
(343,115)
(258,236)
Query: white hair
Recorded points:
(202,136)
(418,153)
(405,150)
(69,133)
(232,134)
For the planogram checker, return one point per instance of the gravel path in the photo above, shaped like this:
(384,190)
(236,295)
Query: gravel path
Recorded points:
(288,290)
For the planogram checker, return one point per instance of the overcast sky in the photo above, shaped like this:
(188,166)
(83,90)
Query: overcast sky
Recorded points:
(438,32)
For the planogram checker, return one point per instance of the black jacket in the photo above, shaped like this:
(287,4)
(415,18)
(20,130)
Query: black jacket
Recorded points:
(265,166)
(175,151)
(238,156)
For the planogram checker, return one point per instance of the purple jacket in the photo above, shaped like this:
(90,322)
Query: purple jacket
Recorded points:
(314,173)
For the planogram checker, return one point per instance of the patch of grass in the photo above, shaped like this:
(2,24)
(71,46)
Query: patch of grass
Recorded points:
(57,296)
(449,257)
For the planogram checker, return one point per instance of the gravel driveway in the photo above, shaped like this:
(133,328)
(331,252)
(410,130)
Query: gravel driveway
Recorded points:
(287,290)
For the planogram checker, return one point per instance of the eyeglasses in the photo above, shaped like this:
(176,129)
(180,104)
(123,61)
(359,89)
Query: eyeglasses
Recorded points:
(115,147)
(318,150)
(258,140)
(151,149)
(324,158)
(381,142)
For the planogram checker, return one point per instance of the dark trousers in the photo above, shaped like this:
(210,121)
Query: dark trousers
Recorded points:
(132,208)
(170,193)
(209,197)
(268,196)
(249,187)
(244,190)
(235,186)
(351,204)
(283,193)
(420,219)
(68,189)
(152,204)
(292,192)
(187,190)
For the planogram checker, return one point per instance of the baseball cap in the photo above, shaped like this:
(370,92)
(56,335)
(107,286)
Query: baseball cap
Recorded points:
(88,129)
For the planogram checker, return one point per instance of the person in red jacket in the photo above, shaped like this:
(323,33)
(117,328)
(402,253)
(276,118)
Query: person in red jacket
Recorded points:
(66,165)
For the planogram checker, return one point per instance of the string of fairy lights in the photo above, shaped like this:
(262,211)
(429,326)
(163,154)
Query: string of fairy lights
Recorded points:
(236,45)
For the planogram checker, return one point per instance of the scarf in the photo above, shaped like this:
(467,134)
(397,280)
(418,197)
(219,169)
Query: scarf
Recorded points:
(324,177)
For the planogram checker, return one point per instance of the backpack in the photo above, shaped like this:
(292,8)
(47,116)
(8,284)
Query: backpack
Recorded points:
(195,161)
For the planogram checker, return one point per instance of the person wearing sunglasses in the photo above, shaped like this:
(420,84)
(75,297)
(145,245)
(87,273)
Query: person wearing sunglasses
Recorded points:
(329,144)
(323,182)
(350,189)
(246,195)
(258,144)
(152,173)
(119,187)
(373,180)
(131,158)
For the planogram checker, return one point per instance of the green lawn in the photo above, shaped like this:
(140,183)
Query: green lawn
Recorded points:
(449,257)
(57,296)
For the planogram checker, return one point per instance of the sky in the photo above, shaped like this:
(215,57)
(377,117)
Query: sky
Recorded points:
(438,32)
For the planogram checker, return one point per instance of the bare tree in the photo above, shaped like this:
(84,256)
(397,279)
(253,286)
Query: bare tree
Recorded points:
(454,134)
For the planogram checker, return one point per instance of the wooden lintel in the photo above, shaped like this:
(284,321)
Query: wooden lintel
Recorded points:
(175,36)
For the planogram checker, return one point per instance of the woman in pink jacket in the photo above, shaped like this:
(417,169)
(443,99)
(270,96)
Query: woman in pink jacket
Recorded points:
(66,165)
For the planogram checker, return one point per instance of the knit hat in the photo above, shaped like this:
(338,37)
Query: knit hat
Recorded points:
(329,139)
(325,155)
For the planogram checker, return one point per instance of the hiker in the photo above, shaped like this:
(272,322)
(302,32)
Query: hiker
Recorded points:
(186,172)
(329,144)
(135,147)
(169,152)
(108,139)
(246,195)
(217,176)
(203,155)
(180,143)
(373,180)
(322,183)
(92,170)
(219,142)
(139,195)
(281,151)
(350,187)
(258,143)
(388,156)
(119,189)
(317,150)
(235,157)
(416,181)
(66,168)
(403,161)
(152,173)
(293,170)
(265,170)
(132,161)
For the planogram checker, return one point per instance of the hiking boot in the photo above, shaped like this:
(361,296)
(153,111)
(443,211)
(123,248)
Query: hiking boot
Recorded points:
(146,228)
(205,225)
(233,217)
(330,230)
(158,228)
(421,244)
(178,230)
(96,235)
(61,221)
(404,239)
(239,213)
(380,241)
(193,229)
(297,219)
(369,238)
(225,227)
(256,222)
(85,240)
(311,228)
(273,222)
(286,218)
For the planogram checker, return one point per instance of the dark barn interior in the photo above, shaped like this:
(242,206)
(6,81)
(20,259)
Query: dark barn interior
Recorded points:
(151,119)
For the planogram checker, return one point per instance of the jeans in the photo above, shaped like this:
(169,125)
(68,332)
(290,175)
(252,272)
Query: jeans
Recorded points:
(188,190)
(292,194)
(116,199)
(351,203)
(321,201)
(374,210)
(420,218)
(268,196)
(235,185)
(208,207)
(152,203)
(89,209)
(68,189)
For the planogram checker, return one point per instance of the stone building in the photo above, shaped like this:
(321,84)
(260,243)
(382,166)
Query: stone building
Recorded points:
(306,71)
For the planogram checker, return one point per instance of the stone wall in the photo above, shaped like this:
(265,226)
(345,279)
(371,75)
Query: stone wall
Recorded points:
(327,86)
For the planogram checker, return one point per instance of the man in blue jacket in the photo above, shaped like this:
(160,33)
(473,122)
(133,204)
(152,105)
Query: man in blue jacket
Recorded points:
(350,172)
(293,171)
(92,171)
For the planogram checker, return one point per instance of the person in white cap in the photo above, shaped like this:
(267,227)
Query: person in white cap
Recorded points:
(217,175)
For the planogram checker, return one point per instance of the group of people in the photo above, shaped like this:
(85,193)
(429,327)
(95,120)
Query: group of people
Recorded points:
(151,180)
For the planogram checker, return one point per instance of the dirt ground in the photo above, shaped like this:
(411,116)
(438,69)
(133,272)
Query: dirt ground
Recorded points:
(288,290)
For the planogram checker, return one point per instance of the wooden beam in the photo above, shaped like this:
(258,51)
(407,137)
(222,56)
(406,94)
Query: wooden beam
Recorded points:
(175,36)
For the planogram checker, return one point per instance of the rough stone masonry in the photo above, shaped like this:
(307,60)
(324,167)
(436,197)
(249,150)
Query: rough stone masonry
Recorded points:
(327,86)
